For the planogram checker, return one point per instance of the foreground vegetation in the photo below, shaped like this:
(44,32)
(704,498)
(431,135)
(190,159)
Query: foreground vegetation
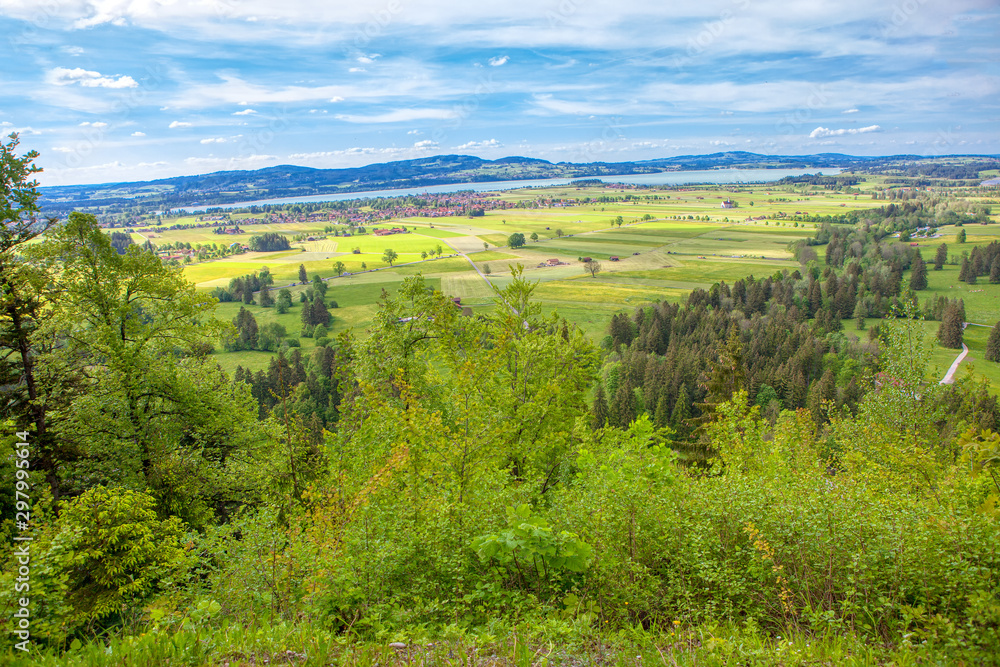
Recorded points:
(446,489)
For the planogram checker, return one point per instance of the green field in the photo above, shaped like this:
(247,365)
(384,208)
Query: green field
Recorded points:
(690,242)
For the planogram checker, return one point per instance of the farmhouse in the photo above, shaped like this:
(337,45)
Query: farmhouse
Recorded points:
(728,204)
(387,232)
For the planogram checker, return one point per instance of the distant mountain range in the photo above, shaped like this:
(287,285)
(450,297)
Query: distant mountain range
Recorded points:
(226,187)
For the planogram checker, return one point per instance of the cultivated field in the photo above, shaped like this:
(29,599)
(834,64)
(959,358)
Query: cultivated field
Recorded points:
(690,242)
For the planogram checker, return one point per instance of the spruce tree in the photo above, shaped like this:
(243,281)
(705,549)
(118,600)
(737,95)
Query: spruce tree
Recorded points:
(303,277)
(993,344)
(995,270)
(682,411)
(600,414)
(662,416)
(918,278)
(320,315)
(624,409)
(941,256)
(950,332)
(266,300)
(859,315)
(307,315)
(965,271)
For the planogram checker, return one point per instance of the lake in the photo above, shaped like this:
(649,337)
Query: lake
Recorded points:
(712,176)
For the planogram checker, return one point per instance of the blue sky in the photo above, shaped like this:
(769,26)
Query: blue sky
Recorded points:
(113,90)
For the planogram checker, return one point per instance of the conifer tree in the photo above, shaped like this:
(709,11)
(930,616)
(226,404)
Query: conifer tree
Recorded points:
(599,413)
(993,344)
(963,273)
(624,409)
(950,332)
(918,278)
(941,256)
(859,314)
(682,411)
(662,416)
(995,270)
(266,300)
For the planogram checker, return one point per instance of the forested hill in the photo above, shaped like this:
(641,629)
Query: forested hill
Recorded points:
(226,187)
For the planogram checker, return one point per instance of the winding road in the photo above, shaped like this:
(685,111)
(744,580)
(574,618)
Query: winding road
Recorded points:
(949,377)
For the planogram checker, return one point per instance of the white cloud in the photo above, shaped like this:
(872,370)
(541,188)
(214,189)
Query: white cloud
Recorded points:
(400,115)
(851,110)
(61,76)
(245,112)
(821,132)
(100,125)
(368,59)
(222,163)
(357,69)
(73,50)
(418,132)
(471,145)
(138,134)
(178,123)
(62,149)
(497,61)
(214,140)
(336,99)
(426,144)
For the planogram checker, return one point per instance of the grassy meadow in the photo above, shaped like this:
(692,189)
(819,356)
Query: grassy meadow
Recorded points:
(690,242)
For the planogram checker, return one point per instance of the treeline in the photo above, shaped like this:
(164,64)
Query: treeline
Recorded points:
(242,288)
(780,338)
(828,182)
(269,242)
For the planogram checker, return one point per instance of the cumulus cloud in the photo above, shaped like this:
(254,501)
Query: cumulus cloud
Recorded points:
(498,61)
(426,144)
(245,112)
(138,134)
(178,123)
(821,132)
(368,59)
(100,125)
(491,143)
(214,140)
(62,76)
(851,110)
(356,69)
